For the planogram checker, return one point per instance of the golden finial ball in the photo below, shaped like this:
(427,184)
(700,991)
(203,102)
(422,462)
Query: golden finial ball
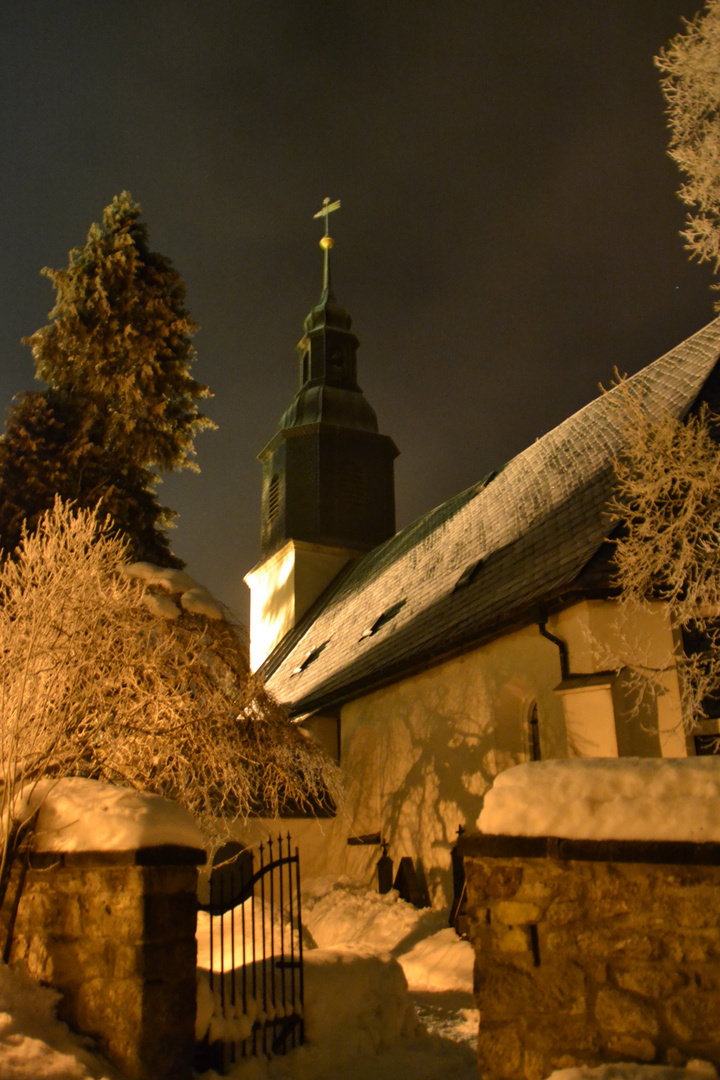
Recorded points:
(326,242)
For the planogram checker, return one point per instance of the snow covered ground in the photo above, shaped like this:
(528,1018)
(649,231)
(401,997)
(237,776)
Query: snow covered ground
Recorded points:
(33,1044)
(362,1022)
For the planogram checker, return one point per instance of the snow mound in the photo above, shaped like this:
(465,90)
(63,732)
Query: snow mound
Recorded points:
(341,914)
(355,1003)
(625,1070)
(440,962)
(77,814)
(33,1044)
(360,1024)
(607,799)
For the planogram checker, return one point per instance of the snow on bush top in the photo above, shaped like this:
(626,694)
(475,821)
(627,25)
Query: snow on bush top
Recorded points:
(607,799)
(193,597)
(85,815)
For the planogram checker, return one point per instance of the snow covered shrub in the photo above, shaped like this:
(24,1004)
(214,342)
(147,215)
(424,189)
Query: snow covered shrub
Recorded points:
(690,67)
(103,675)
(667,503)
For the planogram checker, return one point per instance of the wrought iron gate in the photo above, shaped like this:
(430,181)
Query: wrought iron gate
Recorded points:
(252,925)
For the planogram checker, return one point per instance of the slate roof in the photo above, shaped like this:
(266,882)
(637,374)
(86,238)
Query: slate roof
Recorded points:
(518,538)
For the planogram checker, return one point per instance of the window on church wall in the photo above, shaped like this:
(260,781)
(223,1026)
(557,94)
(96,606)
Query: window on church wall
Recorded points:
(706,745)
(324,729)
(533,734)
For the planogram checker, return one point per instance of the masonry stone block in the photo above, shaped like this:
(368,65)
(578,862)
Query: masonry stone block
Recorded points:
(116,935)
(619,1011)
(517,912)
(591,951)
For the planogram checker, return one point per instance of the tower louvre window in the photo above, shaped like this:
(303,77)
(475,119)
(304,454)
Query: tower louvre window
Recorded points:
(274,497)
(355,485)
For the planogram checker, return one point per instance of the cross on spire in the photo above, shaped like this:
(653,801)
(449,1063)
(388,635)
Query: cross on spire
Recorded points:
(326,241)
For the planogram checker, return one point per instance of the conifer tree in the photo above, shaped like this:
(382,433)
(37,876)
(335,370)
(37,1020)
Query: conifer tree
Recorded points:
(121,404)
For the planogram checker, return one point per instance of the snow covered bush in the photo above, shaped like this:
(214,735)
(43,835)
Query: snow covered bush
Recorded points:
(667,502)
(690,66)
(104,675)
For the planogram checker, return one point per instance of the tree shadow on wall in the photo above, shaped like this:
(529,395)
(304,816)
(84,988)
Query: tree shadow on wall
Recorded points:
(453,766)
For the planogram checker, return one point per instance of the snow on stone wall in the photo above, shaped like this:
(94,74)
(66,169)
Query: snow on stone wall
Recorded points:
(608,799)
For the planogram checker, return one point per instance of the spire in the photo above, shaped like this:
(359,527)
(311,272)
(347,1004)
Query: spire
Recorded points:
(327,471)
(326,242)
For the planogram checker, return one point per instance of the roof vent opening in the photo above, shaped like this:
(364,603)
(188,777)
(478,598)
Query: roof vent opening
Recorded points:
(309,659)
(381,620)
(469,574)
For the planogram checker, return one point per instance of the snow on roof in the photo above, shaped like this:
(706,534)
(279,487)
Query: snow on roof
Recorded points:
(77,814)
(526,531)
(607,799)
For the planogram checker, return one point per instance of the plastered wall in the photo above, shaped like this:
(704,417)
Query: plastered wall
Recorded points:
(418,756)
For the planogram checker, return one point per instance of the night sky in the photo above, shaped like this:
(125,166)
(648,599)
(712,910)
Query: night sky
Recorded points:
(508,231)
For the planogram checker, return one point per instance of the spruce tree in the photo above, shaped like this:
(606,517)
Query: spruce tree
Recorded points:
(121,405)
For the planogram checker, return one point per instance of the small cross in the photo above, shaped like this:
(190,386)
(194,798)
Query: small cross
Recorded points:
(327,208)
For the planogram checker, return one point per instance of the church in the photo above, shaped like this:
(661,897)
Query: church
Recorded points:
(480,636)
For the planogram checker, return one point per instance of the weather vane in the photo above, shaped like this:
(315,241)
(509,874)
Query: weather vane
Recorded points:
(326,241)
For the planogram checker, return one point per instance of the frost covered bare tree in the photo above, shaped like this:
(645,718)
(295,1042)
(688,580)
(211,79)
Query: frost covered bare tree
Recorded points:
(103,674)
(667,502)
(690,67)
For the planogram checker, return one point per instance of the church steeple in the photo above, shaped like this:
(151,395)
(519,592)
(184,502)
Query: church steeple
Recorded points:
(328,473)
(328,489)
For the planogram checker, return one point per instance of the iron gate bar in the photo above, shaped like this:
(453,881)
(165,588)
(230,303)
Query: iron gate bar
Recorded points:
(282,935)
(283,1029)
(272,935)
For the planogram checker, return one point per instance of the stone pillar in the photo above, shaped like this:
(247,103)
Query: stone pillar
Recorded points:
(593,951)
(115,933)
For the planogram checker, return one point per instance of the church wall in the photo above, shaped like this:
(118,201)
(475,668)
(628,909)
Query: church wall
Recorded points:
(418,756)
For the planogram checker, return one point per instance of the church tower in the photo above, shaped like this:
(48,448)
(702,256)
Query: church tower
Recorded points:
(327,485)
